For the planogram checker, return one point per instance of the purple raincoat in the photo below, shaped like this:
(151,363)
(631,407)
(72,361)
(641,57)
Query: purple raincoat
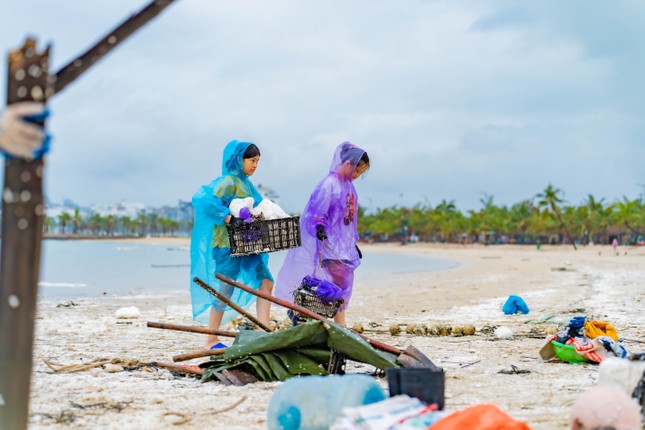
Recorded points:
(334,205)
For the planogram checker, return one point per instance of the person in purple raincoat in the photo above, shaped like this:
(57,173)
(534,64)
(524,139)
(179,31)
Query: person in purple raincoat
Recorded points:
(328,229)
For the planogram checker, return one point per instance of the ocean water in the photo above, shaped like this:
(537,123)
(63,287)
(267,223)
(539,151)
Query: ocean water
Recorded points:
(78,268)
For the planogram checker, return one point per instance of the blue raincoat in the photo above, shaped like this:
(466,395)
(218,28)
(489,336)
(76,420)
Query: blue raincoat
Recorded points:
(210,251)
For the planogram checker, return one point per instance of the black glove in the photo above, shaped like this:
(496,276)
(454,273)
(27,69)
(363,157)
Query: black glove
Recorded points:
(320,232)
(236,222)
(360,254)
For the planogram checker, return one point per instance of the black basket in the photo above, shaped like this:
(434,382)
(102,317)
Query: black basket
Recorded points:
(427,385)
(337,363)
(305,297)
(263,236)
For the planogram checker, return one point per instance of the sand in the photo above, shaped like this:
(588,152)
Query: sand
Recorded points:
(555,281)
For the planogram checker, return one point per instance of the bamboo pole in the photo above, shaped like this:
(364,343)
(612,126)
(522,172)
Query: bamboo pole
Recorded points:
(190,329)
(198,354)
(230,303)
(183,368)
(376,344)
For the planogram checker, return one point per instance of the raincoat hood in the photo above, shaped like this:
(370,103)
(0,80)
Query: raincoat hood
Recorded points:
(346,154)
(233,159)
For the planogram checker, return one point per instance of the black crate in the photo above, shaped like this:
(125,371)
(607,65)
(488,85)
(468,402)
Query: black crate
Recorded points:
(337,363)
(427,385)
(263,236)
(305,297)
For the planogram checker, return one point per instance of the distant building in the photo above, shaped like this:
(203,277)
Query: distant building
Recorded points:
(121,209)
(182,213)
(268,193)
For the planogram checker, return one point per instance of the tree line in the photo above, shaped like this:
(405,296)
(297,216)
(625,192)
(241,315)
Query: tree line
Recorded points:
(109,225)
(545,218)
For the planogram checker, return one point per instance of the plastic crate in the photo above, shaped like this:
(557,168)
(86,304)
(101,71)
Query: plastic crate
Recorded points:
(337,363)
(263,236)
(567,353)
(427,385)
(305,297)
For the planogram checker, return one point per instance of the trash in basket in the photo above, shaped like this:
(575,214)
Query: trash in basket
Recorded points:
(262,236)
(427,385)
(319,296)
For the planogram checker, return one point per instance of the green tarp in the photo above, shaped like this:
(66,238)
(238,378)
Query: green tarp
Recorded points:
(301,350)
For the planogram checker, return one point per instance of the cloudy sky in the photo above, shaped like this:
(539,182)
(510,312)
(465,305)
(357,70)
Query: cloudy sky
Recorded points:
(452,99)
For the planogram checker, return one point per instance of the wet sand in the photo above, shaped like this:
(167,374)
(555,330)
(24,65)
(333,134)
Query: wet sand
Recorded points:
(555,281)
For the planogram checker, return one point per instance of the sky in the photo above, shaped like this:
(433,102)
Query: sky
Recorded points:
(454,100)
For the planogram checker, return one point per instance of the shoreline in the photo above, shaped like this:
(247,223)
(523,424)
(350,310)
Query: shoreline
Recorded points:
(162,240)
(594,282)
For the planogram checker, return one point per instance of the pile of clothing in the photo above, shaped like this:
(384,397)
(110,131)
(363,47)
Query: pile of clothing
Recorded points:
(594,340)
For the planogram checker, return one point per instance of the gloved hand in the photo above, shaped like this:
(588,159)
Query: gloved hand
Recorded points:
(235,222)
(18,137)
(245,214)
(360,254)
(320,232)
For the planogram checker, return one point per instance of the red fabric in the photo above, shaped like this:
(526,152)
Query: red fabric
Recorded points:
(588,350)
(479,417)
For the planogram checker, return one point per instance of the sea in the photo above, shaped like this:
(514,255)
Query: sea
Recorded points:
(78,268)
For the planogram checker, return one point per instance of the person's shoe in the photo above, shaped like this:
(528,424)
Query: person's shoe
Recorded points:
(218,345)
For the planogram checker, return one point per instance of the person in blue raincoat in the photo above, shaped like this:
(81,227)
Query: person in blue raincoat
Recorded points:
(210,250)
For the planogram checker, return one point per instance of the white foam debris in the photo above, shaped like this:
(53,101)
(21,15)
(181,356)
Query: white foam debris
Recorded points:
(127,313)
(503,333)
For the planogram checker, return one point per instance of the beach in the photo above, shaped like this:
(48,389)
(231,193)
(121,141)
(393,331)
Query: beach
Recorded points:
(556,282)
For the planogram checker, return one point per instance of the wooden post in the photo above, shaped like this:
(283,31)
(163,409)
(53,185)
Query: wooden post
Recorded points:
(22,225)
(23,213)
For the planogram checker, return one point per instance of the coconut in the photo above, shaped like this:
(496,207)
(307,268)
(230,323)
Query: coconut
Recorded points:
(433,330)
(469,330)
(445,330)
(420,330)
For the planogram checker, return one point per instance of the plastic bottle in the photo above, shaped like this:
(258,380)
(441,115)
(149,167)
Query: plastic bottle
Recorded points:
(314,402)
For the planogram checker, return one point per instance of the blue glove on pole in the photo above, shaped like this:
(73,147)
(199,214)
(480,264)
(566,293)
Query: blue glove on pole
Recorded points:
(20,136)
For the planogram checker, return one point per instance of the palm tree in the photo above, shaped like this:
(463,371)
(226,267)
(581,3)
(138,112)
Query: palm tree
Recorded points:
(109,224)
(76,221)
(550,199)
(48,224)
(443,215)
(142,222)
(64,218)
(594,211)
(153,220)
(96,223)
(127,225)
(520,215)
(627,213)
